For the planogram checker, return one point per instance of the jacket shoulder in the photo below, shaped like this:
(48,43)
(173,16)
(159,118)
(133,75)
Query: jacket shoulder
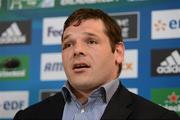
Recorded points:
(144,108)
(48,108)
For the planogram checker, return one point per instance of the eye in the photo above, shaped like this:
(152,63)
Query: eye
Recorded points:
(66,45)
(92,41)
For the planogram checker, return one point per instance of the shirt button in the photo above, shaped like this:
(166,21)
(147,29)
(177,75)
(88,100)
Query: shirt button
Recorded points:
(82,110)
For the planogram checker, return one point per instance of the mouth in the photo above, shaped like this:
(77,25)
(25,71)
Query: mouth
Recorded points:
(80,66)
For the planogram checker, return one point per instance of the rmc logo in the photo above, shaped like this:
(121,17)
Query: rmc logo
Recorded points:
(52,67)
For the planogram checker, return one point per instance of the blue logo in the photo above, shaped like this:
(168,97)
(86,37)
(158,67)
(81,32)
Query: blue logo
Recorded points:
(13,105)
(57,66)
(174,24)
(54,32)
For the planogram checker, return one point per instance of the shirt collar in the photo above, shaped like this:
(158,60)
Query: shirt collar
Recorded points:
(105,91)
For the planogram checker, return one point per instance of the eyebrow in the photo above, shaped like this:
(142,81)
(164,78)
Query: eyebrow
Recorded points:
(90,34)
(66,37)
(86,33)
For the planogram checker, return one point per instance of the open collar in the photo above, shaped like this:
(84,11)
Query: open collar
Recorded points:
(105,92)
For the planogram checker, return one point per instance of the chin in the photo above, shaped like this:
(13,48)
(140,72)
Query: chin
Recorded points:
(82,87)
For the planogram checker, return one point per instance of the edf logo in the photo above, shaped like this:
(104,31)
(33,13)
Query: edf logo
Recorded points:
(174,24)
(11,102)
(13,105)
(165,24)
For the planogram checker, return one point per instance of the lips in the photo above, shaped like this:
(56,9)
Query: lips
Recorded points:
(79,66)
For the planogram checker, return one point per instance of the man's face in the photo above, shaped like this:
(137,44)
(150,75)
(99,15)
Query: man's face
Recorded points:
(87,56)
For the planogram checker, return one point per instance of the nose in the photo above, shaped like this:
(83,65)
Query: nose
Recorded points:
(79,50)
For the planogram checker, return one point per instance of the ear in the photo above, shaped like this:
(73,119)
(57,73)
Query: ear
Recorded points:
(119,53)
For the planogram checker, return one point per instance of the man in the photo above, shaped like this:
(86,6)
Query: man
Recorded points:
(92,55)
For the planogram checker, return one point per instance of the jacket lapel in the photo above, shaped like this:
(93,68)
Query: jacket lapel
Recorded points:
(61,106)
(118,106)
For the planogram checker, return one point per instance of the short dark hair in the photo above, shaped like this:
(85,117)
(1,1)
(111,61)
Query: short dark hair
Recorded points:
(112,29)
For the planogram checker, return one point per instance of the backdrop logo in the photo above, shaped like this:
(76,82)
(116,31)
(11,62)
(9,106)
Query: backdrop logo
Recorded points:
(160,26)
(129,23)
(165,24)
(52,30)
(136,0)
(84,2)
(165,62)
(133,90)
(130,65)
(17,32)
(11,102)
(14,67)
(47,93)
(52,67)
(168,98)
(29,4)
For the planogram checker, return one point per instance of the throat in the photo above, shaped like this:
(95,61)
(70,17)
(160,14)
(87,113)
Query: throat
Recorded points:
(81,96)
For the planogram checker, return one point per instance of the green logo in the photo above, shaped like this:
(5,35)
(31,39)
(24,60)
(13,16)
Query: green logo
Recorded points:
(167,98)
(29,4)
(72,4)
(0,4)
(14,67)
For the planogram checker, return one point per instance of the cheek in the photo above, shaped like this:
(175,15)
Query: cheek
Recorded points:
(65,56)
(64,59)
(102,59)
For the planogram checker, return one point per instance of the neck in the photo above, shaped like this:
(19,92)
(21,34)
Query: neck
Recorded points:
(82,96)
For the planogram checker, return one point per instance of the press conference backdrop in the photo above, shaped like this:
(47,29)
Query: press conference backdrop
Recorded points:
(30,49)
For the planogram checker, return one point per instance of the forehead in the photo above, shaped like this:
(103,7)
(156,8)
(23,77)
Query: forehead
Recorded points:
(90,25)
